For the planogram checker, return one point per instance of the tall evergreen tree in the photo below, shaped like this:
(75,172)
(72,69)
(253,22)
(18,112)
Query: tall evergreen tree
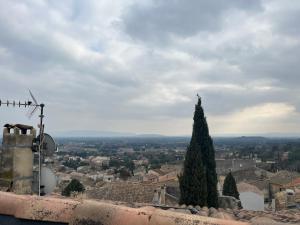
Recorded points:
(229,187)
(199,176)
(193,189)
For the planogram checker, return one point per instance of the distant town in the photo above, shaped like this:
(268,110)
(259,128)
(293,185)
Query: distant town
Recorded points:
(130,169)
(145,171)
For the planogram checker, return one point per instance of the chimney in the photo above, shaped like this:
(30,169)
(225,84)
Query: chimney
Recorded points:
(156,199)
(162,196)
(17,158)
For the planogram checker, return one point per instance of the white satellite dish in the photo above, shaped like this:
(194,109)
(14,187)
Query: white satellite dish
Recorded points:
(48,180)
(49,146)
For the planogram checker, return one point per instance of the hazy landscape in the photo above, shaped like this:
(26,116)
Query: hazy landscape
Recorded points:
(150,112)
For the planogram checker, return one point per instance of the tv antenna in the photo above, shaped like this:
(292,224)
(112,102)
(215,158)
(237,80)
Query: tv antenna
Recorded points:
(30,113)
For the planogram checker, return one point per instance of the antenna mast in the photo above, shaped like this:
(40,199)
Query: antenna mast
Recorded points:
(30,114)
(41,131)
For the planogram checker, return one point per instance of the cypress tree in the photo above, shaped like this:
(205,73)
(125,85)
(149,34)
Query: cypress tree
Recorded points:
(199,178)
(229,187)
(192,183)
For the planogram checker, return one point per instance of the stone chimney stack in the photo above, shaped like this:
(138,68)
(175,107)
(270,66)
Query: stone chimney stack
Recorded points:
(17,158)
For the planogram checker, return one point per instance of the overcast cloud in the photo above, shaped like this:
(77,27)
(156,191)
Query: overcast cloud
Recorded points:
(136,66)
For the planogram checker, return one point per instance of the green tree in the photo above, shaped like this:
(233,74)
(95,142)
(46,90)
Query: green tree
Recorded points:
(124,174)
(192,183)
(198,183)
(229,187)
(73,186)
(130,165)
(115,163)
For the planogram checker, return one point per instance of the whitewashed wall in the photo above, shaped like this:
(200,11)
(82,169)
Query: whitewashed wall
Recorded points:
(252,201)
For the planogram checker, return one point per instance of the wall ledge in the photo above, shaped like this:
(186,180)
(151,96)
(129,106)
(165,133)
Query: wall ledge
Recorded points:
(76,212)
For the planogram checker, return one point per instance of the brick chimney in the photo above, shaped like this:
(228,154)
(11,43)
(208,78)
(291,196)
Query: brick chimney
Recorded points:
(16,167)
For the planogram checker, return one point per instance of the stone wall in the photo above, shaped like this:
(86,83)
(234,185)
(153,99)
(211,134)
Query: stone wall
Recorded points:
(226,202)
(224,165)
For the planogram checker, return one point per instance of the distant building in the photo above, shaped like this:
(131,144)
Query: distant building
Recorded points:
(141,162)
(282,179)
(295,183)
(99,161)
(284,156)
(83,169)
(126,150)
(108,178)
(164,175)
(223,166)
(150,178)
(286,199)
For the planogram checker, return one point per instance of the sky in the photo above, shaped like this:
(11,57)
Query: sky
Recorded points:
(137,65)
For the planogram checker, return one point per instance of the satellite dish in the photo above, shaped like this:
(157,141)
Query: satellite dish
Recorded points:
(49,146)
(48,180)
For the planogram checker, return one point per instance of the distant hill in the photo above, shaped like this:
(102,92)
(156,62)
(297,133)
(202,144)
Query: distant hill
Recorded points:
(254,140)
(260,135)
(250,138)
(242,139)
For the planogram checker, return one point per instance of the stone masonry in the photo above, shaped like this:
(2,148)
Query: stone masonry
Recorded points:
(16,167)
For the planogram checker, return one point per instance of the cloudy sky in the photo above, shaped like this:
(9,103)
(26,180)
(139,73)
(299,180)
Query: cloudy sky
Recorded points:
(137,65)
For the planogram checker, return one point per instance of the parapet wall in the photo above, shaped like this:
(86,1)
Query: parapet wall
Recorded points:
(75,212)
